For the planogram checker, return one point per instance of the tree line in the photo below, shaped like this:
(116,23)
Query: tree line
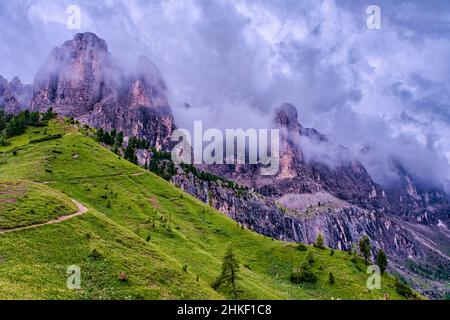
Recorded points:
(13,125)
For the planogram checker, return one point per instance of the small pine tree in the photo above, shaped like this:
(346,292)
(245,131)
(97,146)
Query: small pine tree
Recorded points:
(331,278)
(113,136)
(119,139)
(99,134)
(319,242)
(354,249)
(382,260)
(331,253)
(364,248)
(229,275)
(130,154)
(49,114)
(107,138)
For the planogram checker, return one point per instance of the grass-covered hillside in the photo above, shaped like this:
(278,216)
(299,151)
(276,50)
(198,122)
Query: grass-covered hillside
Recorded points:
(141,237)
(26,203)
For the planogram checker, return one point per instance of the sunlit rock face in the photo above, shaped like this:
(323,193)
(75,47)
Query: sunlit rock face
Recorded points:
(81,79)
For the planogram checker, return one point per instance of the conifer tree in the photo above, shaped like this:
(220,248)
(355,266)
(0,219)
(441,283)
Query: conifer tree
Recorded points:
(364,248)
(229,275)
(100,134)
(382,260)
(319,242)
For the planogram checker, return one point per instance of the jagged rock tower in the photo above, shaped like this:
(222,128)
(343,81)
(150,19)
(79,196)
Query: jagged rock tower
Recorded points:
(82,79)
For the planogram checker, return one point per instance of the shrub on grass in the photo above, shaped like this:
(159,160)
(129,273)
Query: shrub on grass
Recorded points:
(331,278)
(403,290)
(303,274)
(310,258)
(47,138)
(4,141)
(95,254)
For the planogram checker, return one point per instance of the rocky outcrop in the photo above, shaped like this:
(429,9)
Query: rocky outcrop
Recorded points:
(14,96)
(81,79)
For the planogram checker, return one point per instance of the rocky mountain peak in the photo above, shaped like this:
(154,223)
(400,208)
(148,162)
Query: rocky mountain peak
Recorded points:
(86,41)
(15,84)
(286,116)
(82,79)
(14,96)
(75,76)
(149,72)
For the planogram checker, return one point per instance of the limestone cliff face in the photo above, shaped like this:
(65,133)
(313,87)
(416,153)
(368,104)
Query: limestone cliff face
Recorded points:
(82,79)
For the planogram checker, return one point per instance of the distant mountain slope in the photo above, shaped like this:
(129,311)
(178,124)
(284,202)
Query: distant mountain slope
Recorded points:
(168,244)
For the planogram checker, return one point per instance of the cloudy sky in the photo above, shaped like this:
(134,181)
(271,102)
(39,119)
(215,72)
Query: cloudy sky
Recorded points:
(235,61)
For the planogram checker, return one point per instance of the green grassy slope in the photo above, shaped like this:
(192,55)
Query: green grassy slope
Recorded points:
(24,203)
(169,244)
